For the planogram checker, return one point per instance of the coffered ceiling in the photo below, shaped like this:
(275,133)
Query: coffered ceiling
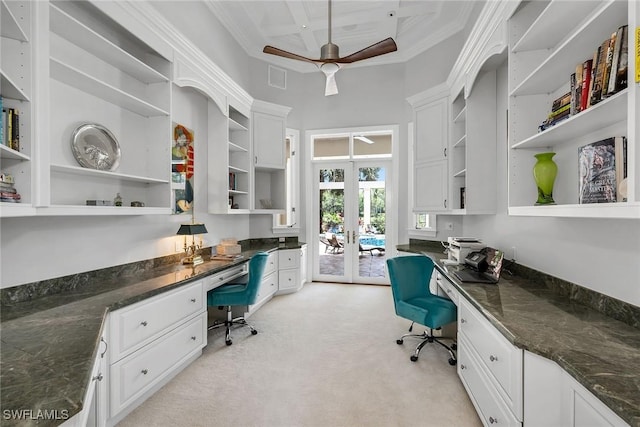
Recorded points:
(300,26)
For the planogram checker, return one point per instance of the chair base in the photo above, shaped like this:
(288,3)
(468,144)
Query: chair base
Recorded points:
(229,323)
(428,337)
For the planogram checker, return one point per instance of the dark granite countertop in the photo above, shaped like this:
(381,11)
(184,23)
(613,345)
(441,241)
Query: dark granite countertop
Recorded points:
(48,344)
(600,352)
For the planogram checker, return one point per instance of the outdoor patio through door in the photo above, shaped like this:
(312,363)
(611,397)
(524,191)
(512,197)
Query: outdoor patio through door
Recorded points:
(350,213)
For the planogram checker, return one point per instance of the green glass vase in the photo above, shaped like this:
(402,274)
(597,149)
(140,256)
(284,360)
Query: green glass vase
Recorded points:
(544,172)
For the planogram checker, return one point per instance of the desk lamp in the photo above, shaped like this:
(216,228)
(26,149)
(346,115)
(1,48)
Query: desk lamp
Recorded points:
(192,250)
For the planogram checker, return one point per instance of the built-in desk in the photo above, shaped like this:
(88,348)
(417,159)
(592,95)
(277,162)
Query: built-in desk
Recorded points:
(49,344)
(600,353)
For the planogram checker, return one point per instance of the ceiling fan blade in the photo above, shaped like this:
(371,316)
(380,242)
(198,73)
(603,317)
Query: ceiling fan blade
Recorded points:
(382,47)
(279,52)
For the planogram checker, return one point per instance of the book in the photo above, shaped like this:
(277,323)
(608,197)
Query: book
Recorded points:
(623,61)
(15,130)
(564,100)
(600,170)
(586,83)
(597,72)
(9,121)
(607,65)
(1,122)
(611,87)
(578,89)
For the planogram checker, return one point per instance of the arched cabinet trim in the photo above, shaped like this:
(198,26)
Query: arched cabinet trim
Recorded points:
(186,76)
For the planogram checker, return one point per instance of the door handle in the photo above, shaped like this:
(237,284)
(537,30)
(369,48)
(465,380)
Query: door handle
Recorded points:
(354,236)
(347,233)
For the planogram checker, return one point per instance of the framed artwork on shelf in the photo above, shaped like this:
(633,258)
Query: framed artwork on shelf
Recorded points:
(182,169)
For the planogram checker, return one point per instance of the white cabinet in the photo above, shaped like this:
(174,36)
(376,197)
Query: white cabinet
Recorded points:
(269,284)
(546,43)
(239,161)
(151,341)
(553,397)
(268,133)
(292,270)
(430,145)
(100,73)
(490,368)
(16,65)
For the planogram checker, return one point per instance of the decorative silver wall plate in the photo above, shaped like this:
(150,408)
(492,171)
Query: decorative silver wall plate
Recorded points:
(95,147)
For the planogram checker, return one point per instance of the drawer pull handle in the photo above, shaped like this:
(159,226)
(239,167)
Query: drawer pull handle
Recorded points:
(193,338)
(493,420)
(144,323)
(193,300)
(144,372)
(493,358)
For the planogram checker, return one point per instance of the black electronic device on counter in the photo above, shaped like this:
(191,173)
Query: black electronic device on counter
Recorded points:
(483,266)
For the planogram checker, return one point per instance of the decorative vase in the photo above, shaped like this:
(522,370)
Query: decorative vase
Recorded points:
(544,172)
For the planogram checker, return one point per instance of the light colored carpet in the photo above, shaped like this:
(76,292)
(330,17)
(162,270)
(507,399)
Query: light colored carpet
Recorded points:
(324,356)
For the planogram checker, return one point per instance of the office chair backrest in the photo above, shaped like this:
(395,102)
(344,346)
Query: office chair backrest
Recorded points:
(409,276)
(256,269)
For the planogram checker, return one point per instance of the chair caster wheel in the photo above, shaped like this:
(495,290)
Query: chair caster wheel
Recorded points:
(454,346)
(254,332)
(414,358)
(228,342)
(399,342)
(452,362)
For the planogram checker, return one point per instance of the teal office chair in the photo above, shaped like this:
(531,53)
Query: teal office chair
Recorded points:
(410,277)
(238,294)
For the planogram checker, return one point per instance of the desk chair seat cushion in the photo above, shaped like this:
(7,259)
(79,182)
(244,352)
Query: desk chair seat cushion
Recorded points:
(431,311)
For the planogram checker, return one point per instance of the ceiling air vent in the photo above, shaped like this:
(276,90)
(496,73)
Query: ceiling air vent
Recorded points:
(277,77)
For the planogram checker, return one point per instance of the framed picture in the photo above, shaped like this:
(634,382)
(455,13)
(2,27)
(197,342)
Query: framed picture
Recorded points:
(182,168)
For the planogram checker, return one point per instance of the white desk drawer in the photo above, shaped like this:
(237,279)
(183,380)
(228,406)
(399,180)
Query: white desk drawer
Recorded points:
(501,359)
(288,279)
(134,375)
(272,263)
(448,288)
(492,410)
(225,276)
(136,325)
(289,258)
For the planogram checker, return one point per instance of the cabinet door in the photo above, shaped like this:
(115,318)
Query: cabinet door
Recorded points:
(431,123)
(268,141)
(430,187)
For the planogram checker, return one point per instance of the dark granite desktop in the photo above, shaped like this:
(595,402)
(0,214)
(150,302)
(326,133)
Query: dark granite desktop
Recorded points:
(595,338)
(50,330)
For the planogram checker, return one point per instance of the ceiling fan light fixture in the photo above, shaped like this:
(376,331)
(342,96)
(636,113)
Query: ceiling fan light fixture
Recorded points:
(364,139)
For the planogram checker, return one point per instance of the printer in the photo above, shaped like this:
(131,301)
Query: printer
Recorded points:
(460,247)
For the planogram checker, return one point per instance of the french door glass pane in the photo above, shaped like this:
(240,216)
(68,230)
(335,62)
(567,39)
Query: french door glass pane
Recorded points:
(372,221)
(331,227)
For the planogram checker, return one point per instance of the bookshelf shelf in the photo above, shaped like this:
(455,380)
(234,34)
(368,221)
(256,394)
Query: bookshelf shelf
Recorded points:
(16,209)
(11,89)
(460,174)
(235,147)
(547,42)
(76,170)
(76,210)
(553,72)
(237,170)
(461,116)
(73,30)
(235,126)
(73,77)
(10,25)
(461,142)
(8,153)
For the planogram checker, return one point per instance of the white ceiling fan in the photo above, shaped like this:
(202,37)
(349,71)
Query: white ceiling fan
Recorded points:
(330,61)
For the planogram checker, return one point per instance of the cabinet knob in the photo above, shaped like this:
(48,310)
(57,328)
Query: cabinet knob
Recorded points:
(493,420)
(193,338)
(98,377)
(462,320)
(463,367)
(144,323)
(193,300)
(493,358)
(144,372)
(289,258)
(221,278)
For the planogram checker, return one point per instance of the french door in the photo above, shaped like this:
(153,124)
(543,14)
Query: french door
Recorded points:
(350,215)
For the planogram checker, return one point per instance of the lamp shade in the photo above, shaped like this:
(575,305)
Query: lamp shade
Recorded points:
(191,229)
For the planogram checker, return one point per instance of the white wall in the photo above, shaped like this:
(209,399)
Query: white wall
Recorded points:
(599,254)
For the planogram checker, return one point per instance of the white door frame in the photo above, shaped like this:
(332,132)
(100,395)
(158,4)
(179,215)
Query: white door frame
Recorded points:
(392,187)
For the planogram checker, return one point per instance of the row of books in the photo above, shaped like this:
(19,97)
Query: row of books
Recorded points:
(10,127)
(602,169)
(594,79)
(232,181)
(8,192)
